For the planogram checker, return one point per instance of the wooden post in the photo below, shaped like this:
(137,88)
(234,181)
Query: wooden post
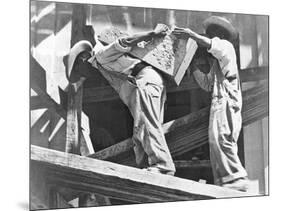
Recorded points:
(73,119)
(75,96)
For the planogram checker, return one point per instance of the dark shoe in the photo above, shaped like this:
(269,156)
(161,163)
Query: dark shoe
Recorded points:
(160,171)
(241,184)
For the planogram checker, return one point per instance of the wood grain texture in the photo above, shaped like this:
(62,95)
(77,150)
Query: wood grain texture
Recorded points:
(113,180)
(48,102)
(191,131)
(73,120)
(192,164)
(37,74)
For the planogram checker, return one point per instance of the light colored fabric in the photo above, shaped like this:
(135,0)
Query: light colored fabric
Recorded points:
(225,114)
(145,96)
(205,81)
(146,104)
(114,58)
(224,52)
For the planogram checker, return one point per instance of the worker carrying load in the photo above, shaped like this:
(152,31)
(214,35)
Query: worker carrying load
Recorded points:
(140,86)
(225,114)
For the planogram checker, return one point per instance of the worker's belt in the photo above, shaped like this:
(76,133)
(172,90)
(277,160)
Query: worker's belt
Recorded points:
(138,67)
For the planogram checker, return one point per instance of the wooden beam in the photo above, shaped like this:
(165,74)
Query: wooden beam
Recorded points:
(39,86)
(107,93)
(37,74)
(192,164)
(118,181)
(48,102)
(36,103)
(79,29)
(73,123)
(51,104)
(254,74)
(191,131)
(75,96)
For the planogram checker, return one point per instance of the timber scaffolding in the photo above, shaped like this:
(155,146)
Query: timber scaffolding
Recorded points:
(97,178)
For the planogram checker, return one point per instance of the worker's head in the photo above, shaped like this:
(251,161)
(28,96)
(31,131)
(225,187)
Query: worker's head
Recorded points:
(76,61)
(216,26)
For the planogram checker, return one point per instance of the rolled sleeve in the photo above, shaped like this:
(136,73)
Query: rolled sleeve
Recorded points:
(224,52)
(122,48)
(220,48)
(111,52)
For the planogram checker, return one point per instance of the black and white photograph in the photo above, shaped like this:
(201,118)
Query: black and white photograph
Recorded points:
(133,105)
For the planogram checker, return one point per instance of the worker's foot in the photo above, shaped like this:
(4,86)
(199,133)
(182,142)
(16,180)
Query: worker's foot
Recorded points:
(160,171)
(241,184)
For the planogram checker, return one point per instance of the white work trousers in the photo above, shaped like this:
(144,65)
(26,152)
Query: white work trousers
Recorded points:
(145,96)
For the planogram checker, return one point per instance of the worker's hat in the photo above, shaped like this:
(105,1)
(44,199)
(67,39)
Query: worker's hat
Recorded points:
(222,22)
(74,52)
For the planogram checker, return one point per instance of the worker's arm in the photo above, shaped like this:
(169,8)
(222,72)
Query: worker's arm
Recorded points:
(224,52)
(116,49)
(188,33)
(221,49)
(133,40)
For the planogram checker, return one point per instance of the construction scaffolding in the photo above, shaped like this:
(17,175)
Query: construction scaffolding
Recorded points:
(73,171)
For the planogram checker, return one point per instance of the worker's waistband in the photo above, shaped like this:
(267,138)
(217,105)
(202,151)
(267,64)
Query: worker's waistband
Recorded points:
(145,73)
(138,67)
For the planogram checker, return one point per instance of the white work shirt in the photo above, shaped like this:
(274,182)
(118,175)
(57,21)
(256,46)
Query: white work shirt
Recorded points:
(114,57)
(224,52)
(223,78)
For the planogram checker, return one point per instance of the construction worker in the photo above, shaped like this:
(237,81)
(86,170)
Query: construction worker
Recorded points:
(225,114)
(139,85)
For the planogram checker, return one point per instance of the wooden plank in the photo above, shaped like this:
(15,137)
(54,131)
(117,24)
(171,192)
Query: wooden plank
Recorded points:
(191,131)
(48,102)
(36,103)
(79,32)
(73,127)
(254,74)
(107,93)
(79,29)
(168,54)
(192,164)
(37,74)
(119,181)
(51,104)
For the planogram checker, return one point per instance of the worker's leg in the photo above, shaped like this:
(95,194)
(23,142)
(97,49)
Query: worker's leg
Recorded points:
(224,129)
(146,103)
(145,96)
